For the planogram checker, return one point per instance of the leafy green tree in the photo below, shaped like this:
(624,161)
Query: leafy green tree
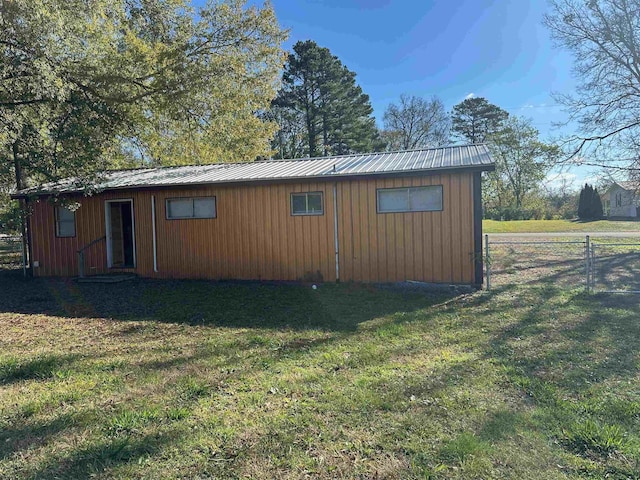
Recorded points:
(320,97)
(522,161)
(475,120)
(416,122)
(604,38)
(90,85)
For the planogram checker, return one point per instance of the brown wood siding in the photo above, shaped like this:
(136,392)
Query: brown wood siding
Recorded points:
(254,235)
(421,246)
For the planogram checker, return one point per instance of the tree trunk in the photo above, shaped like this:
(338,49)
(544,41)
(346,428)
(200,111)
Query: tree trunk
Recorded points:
(17,166)
(23,206)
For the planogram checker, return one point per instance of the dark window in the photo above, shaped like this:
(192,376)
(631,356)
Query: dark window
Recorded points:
(410,199)
(308,203)
(200,207)
(65,222)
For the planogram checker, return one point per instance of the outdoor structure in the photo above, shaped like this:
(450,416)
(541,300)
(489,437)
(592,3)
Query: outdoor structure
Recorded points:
(622,200)
(381,217)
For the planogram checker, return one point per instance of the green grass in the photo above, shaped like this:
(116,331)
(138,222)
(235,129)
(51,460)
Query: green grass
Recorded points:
(551,226)
(196,379)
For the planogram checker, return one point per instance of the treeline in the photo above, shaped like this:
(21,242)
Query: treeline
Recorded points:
(91,86)
(321,110)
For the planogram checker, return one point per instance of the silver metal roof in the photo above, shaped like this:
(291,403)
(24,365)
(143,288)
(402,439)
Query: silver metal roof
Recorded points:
(476,157)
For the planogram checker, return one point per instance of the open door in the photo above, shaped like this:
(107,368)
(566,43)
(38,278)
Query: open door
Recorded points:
(121,245)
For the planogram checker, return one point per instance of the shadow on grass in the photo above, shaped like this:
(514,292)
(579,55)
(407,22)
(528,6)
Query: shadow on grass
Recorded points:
(565,353)
(23,437)
(105,455)
(40,368)
(617,270)
(226,304)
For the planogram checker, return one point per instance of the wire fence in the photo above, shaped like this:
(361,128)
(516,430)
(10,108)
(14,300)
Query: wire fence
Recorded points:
(557,262)
(10,252)
(615,268)
(597,267)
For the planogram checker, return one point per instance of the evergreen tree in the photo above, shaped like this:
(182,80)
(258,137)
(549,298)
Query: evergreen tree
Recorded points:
(598,211)
(475,120)
(589,204)
(582,212)
(320,97)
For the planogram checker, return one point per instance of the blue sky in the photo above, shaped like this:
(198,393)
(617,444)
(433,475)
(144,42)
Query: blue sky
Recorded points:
(497,49)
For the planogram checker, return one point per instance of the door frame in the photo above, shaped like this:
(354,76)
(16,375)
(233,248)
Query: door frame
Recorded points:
(107,217)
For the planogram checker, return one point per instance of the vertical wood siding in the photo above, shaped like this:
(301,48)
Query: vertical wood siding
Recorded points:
(421,246)
(254,235)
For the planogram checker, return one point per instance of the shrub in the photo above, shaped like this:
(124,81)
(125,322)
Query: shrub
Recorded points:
(589,204)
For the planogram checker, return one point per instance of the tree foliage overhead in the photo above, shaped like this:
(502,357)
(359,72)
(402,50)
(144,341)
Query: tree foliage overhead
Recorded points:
(321,109)
(416,123)
(604,38)
(475,120)
(89,85)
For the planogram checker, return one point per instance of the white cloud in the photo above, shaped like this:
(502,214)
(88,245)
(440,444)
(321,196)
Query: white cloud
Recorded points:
(537,106)
(572,181)
(470,95)
(557,180)
(593,180)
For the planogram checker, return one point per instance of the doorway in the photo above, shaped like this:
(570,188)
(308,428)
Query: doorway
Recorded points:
(121,242)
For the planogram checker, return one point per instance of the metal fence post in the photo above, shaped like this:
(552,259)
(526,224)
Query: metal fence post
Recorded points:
(588,261)
(487,261)
(592,263)
(24,256)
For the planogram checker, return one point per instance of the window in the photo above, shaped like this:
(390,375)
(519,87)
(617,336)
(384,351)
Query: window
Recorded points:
(410,199)
(308,203)
(65,222)
(203,207)
(618,199)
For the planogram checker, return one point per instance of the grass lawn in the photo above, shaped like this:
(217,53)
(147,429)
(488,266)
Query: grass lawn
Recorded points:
(547,226)
(194,379)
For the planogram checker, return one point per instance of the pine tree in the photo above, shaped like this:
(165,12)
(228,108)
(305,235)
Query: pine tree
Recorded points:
(598,211)
(321,95)
(581,203)
(475,120)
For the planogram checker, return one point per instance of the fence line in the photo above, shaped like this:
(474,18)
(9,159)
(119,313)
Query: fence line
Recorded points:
(604,265)
(12,251)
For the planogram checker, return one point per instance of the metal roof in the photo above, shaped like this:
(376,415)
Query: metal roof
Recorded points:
(466,157)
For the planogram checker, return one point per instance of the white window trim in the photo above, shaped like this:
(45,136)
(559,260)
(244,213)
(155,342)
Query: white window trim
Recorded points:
(58,222)
(107,219)
(408,190)
(307,212)
(215,208)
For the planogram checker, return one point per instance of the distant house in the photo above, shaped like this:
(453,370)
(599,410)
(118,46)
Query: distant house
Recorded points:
(380,217)
(622,200)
